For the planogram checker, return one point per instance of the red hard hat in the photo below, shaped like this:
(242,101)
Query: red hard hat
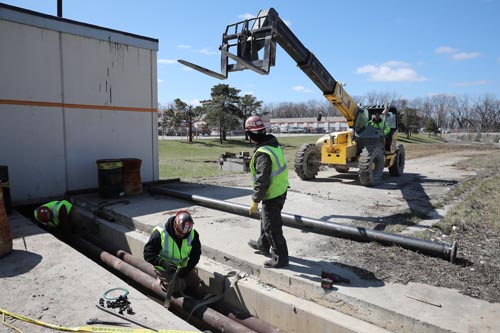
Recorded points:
(43,214)
(254,123)
(183,222)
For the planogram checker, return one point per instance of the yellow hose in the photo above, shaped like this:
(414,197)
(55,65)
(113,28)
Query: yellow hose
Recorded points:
(96,329)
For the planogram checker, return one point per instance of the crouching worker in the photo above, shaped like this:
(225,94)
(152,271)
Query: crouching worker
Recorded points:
(175,245)
(54,214)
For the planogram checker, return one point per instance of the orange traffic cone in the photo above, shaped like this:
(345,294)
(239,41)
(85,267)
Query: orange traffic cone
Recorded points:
(5,234)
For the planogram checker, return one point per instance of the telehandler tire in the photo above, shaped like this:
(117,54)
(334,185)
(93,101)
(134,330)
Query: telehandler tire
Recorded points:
(399,164)
(307,161)
(342,169)
(371,166)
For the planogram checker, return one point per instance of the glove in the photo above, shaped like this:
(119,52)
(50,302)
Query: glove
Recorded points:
(254,208)
(169,267)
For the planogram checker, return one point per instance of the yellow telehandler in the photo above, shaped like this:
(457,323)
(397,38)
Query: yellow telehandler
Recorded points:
(364,146)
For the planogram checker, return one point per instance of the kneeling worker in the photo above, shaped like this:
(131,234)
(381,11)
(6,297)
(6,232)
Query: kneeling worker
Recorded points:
(54,214)
(175,247)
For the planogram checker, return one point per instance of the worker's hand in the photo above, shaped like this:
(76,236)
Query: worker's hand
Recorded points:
(254,208)
(168,266)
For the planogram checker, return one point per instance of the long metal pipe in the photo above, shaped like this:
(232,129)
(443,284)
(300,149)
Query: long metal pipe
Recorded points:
(208,315)
(243,318)
(437,249)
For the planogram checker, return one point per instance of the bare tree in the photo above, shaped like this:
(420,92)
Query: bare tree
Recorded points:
(487,113)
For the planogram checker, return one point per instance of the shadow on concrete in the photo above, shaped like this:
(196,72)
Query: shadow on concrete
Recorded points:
(311,270)
(18,262)
(411,186)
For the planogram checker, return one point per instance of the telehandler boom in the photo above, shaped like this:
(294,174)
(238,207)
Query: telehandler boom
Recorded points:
(251,44)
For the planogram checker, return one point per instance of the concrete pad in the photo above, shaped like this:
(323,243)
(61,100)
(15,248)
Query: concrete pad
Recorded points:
(47,280)
(396,307)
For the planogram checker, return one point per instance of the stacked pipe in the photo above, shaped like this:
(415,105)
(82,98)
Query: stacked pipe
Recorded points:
(208,315)
(244,319)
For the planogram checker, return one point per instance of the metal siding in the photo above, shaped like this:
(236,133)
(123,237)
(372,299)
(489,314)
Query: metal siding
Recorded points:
(51,149)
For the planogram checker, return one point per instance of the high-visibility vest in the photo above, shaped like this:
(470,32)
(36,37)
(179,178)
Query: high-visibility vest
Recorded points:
(171,252)
(279,171)
(379,125)
(55,207)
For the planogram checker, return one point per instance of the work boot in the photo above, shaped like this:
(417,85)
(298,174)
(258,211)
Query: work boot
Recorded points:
(254,245)
(273,264)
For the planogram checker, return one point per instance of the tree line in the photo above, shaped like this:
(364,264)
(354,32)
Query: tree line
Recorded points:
(226,111)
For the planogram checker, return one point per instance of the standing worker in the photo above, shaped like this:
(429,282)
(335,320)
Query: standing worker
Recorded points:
(175,247)
(54,214)
(270,176)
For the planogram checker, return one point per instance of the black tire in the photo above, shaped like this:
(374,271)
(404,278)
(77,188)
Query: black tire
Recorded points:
(307,161)
(342,169)
(398,167)
(371,166)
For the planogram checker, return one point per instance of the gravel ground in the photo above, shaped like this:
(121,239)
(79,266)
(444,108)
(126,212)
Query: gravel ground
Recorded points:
(475,273)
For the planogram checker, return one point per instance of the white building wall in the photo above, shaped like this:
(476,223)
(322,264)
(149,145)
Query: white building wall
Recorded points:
(71,94)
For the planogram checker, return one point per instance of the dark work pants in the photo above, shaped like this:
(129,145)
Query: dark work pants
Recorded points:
(271,229)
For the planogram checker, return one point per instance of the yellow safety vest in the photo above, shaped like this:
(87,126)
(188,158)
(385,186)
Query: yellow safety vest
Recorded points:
(279,171)
(171,252)
(55,207)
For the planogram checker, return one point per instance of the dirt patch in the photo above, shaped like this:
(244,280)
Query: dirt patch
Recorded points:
(471,221)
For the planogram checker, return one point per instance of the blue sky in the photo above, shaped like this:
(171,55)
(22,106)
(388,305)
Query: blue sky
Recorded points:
(408,48)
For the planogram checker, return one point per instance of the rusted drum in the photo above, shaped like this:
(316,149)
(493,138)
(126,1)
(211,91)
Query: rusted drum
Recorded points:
(132,183)
(5,234)
(110,175)
(5,188)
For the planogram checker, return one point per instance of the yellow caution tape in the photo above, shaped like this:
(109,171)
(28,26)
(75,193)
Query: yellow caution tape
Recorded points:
(96,329)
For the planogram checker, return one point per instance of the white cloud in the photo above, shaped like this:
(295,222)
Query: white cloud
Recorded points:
(440,94)
(456,54)
(183,46)
(445,49)
(302,89)
(472,83)
(167,61)
(246,16)
(391,71)
(186,68)
(207,52)
(465,55)
(194,102)
(160,80)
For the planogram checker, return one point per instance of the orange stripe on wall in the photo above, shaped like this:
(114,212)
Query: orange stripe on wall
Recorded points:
(75,106)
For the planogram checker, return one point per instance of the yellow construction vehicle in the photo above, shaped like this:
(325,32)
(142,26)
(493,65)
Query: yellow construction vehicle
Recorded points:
(363,146)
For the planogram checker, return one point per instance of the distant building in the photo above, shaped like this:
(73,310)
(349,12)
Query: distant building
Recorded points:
(308,125)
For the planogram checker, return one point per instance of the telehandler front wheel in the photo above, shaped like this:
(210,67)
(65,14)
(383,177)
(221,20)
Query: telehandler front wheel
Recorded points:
(371,166)
(307,161)
(396,169)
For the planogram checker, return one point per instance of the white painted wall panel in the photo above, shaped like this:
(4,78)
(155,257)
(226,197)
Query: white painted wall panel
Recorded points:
(65,102)
(30,63)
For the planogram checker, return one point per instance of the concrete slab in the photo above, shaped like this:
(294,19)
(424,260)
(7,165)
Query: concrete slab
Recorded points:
(396,307)
(47,280)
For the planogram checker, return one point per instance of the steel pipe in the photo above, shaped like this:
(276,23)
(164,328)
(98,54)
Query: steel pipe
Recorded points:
(243,318)
(437,249)
(208,315)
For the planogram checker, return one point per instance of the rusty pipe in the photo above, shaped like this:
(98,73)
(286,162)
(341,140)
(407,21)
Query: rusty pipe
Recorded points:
(208,315)
(442,250)
(243,318)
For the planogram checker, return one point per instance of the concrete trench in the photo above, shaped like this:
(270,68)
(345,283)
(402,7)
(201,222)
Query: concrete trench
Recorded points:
(287,303)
